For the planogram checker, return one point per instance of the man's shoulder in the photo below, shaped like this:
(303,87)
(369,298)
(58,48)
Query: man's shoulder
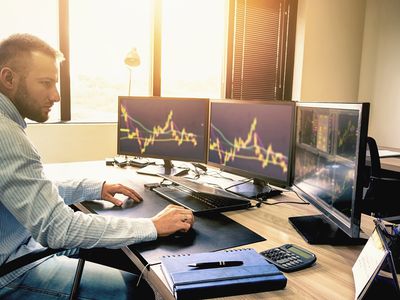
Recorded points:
(10,131)
(9,126)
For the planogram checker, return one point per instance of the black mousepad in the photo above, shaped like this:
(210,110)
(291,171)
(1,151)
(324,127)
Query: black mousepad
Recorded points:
(210,232)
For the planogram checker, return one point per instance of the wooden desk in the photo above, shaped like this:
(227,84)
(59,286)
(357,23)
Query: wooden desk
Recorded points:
(391,164)
(330,278)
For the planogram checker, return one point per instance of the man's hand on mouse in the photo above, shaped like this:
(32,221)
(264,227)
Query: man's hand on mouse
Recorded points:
(173,218)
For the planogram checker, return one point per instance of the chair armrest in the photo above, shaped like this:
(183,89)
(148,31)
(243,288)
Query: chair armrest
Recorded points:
(387,179)
(27,259)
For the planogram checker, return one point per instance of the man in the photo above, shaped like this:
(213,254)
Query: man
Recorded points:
(34,212)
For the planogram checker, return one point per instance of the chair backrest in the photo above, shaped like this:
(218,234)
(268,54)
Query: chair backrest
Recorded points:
(382,194)
(374,157)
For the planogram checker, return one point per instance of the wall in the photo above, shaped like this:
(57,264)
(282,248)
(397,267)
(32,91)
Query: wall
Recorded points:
(380,70)
(348,50)
(73,142)
(330,35)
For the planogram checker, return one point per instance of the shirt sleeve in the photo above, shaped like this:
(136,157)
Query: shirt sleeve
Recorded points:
(36,203)
(78,190)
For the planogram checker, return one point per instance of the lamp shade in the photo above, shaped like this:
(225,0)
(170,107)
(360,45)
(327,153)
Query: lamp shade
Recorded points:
(132,59)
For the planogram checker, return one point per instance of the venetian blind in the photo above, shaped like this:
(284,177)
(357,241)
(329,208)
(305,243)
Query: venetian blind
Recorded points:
(259,49)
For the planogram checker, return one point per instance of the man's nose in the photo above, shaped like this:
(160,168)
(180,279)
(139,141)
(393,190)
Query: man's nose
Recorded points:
(55,95)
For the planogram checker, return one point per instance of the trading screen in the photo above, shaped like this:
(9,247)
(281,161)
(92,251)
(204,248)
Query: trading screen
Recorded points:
(163,128)
(326,154)
(252,137)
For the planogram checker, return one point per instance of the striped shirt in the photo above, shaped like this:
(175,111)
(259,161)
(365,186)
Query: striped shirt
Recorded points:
(34,211)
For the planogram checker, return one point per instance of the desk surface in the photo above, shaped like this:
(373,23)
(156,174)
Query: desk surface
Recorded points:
(390,163)
(330,278)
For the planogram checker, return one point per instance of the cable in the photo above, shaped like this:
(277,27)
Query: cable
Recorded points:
(217,174)
(239,183)
(265,200)
(258,204)
(281,202)
(144,268)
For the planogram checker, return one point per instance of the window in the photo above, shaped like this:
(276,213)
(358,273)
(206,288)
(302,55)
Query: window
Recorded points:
(17,20)
(193,48)
(101,35)
(103,32)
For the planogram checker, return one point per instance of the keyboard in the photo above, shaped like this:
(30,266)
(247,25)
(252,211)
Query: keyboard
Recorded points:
(198,202)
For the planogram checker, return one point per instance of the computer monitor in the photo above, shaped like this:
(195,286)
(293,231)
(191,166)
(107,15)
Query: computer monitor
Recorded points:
(164,128)
(253,139)
(329,165)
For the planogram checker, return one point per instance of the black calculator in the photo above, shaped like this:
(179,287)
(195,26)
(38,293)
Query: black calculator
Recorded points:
(289,257)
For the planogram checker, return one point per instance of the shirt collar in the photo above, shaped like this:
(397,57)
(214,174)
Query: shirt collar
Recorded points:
(8,109)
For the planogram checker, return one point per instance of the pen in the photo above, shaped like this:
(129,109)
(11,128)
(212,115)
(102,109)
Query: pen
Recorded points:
(216,264)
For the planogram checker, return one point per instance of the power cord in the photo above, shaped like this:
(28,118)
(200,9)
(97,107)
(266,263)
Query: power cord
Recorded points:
(144,268)
(264,200)
(239,183)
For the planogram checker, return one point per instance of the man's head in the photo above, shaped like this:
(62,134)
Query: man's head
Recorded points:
(28,75)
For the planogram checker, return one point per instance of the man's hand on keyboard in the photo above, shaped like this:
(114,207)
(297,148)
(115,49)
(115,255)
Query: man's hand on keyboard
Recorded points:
(173,218)
(109,190)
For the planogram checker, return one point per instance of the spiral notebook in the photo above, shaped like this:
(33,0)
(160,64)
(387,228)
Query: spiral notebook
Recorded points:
(254,275)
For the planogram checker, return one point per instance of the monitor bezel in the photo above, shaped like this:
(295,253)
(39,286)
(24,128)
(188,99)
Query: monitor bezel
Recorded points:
(167,157)
(248,174)
(350,225)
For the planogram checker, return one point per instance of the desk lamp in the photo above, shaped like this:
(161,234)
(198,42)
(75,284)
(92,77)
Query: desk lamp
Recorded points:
(132,60)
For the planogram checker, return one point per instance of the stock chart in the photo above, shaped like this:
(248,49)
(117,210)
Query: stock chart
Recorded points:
(163,128)
(249,148)
(145,137)
(254,138)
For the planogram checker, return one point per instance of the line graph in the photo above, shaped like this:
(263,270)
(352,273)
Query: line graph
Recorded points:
(347,134)
(166,132)
(249,148)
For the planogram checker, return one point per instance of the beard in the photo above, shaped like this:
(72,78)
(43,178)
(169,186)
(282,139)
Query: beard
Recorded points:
(27,106)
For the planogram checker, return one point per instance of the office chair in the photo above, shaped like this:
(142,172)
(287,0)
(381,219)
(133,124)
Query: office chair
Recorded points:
(39,254)
(381,198)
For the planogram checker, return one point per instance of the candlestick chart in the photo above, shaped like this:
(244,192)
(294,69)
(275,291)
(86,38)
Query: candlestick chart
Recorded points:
(249,147)
(253,139)
(167,132)
(161,129)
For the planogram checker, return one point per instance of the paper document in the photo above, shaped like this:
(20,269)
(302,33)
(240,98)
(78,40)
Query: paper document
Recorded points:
(368,264)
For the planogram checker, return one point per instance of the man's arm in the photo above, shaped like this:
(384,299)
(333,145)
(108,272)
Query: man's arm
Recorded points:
(35,202)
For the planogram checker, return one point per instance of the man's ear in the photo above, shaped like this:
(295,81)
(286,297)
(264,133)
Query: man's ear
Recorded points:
(7,77)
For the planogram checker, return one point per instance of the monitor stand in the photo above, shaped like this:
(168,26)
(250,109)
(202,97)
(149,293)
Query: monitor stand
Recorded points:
(257,188)
(318,231)
(166,169)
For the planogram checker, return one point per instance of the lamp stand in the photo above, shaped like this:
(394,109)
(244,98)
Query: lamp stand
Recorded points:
(130,81)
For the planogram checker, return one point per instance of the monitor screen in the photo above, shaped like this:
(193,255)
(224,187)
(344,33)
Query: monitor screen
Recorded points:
(329,161)
(165,128)
(253,139)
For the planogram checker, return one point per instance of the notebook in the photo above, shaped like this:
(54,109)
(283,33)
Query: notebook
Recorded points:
(254,275)
(200,198)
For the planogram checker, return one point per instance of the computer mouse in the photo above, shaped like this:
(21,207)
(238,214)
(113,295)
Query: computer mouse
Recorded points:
(190,234)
